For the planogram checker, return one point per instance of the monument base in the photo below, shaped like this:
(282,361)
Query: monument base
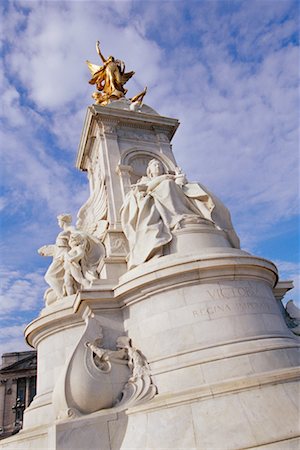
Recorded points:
(245,414)
(224,364)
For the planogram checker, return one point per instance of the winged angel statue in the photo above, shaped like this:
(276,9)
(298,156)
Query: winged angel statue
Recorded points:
(78,250)
(108,78)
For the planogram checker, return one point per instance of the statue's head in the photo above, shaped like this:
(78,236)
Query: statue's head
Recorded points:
(63,219)
(155,168)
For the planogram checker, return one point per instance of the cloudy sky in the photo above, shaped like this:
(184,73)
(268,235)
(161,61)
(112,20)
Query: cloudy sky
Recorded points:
(228,70)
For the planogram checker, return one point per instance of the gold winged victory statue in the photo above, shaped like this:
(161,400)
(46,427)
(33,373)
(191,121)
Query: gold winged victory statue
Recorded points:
(108,78)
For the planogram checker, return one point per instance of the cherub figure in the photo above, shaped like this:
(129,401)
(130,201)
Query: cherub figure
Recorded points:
(73,270)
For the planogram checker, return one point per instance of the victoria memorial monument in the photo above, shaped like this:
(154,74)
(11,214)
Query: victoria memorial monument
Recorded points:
(158,331)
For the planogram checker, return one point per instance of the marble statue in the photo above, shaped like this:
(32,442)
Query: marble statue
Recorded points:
(137,362)
(76,255)
(159,203)
(108,78)
(96,378)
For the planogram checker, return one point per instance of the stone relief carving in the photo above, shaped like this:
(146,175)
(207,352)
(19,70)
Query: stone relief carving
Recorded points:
(118,244)
(76,255)
(161,202)
(109,127)
(139,386)
(137,135)
(97,378)
(92,216)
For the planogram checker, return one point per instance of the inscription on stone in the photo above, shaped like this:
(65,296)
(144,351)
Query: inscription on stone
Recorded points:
(247,290)
(235,308)
(247,298)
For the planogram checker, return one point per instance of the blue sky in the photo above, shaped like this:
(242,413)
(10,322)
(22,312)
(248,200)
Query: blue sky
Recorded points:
(228,70)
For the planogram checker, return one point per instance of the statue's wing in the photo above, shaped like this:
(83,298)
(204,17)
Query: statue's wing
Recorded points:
(139,97)
(98,72)
(126,76)
(92,216)
(93,67)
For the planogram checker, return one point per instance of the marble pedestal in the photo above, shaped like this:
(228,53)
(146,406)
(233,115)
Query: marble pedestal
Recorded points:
(224,363)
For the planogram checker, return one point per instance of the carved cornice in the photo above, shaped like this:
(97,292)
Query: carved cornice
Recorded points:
(108,117)
(190,270)
(107,126)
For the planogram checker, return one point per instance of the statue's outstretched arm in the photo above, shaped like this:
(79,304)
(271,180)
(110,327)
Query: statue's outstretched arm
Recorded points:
(99,51)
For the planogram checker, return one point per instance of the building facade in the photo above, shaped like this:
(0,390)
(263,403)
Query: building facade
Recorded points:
(17,389)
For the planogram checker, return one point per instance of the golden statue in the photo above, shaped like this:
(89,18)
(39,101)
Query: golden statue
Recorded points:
(108,78)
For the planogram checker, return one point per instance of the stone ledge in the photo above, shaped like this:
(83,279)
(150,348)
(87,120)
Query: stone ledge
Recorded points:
(210,391)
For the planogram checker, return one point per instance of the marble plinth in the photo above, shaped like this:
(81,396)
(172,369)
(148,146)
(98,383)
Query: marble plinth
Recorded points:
(224,363)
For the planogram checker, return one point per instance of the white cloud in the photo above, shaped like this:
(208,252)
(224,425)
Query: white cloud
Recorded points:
(20,291)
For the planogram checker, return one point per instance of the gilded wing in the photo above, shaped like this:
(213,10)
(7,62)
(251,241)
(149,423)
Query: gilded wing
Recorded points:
(126,76)
(97,72)
(139,97)
(93,67)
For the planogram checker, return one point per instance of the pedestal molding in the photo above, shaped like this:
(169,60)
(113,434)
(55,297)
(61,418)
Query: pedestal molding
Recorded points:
(233,354)
(207,391)
(192,269)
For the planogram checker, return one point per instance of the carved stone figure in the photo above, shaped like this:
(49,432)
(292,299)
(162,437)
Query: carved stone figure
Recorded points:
(108,78)
(74,273)
(139,386)
(55,273)
(102,356)
(96,378)
(76,255)
(158,203)
(137,362)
